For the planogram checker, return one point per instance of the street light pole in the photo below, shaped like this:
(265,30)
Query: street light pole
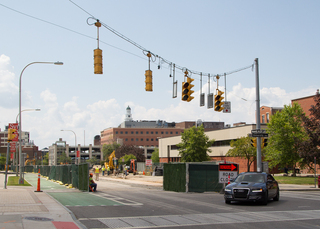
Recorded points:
(75,147)
(16,156)
(21,180)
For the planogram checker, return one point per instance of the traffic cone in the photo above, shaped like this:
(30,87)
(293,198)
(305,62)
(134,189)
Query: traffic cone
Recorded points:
(38,186)
(144,173)
(228,179)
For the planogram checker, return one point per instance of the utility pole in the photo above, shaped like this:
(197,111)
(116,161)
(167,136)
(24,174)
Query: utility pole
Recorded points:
(259,162)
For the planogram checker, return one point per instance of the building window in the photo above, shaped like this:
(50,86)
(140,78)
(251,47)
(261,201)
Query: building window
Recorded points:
(121,132)
(147,132)
(167,132)
(126,132)
(156,132)
(171,132)
(267,117)
(137,132)
(141,139)
(161,132)
(126,139)
(152,139)
(262,119)
(147,139)
(131,132)
(141,132)
(137,139)
(116,132)
(176,132)
(151,132)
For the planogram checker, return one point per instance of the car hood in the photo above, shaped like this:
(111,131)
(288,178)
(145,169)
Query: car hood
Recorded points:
(246,185)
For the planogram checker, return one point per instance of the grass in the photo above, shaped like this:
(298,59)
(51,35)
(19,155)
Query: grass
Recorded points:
(14,181)
(295,180)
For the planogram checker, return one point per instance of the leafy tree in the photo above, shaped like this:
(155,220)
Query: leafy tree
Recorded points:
(108,149)
(155,156)
(242,148)
(45,159)
(63,159)
(285,136)
(310,148)
(3,160)
(195,145)
(126,159)
(129,149)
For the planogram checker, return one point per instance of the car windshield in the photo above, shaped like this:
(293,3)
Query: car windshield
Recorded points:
(256,178)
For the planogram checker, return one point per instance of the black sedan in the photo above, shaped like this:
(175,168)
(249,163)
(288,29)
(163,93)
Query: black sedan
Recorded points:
(252,186)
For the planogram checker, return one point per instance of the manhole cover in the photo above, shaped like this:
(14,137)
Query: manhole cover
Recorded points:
(38,218)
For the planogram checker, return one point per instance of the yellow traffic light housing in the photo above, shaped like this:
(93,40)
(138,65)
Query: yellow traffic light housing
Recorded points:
(217,101)
(254,142)
(264,142)
(11,134)
(186,90)
(148,80)
(97,61)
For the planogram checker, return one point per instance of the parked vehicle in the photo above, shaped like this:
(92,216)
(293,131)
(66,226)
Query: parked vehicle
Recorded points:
(252,186)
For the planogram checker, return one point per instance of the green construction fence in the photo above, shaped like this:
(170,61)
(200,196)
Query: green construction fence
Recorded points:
(77,175)
(191,177)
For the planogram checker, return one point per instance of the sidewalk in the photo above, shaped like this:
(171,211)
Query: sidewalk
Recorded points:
(23,208)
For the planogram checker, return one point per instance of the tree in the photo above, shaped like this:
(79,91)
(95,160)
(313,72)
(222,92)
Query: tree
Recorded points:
(242,148)
(45,159)
(155,156)
(310,148)
(129,149)
(63,159)
(126,159)
(93,160)
(285,136)
(108,149)
(195,145)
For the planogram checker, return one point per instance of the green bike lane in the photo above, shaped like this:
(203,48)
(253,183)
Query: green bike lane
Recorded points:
(66,196)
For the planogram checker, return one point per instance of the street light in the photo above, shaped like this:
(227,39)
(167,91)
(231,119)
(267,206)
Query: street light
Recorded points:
(37,109)
(75,147)
(21,180)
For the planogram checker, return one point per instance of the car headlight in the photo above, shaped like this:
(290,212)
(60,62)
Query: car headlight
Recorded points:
(257,190)
(227,189)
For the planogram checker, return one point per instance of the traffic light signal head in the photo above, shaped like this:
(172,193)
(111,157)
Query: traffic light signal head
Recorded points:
(264,142)
(11,134)
(186,90)
(148,80)
(217,101)
(254,142)
(97,53)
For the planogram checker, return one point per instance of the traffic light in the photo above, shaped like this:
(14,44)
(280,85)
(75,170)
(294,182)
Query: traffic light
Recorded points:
(148,80)
(217,101)
(254,142)
(264,142)
(11,134)
(186,90)
(97,61)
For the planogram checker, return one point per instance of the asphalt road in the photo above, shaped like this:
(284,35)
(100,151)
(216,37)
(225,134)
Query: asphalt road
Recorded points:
(119,205)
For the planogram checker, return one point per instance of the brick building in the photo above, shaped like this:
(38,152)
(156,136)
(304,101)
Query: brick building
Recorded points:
(305,102)
(267,112)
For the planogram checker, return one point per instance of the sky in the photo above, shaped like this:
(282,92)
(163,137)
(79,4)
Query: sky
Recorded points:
(207,36)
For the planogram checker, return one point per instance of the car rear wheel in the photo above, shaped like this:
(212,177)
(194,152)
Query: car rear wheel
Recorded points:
(276,198)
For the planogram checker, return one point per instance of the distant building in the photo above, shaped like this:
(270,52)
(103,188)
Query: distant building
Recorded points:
(305,102)
(267,112)
(145,133)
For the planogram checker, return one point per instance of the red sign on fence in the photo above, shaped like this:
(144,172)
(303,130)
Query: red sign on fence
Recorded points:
(228,167)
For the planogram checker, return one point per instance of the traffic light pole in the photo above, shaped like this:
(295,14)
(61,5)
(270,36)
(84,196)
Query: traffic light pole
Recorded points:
(259,162)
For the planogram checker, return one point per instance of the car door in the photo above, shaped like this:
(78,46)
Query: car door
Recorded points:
(272,186)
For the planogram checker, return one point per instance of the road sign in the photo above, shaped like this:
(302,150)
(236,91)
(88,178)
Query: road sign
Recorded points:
(223,176)
(259,133)
(227,107)
(148,162)
(228,167)
(12,147)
